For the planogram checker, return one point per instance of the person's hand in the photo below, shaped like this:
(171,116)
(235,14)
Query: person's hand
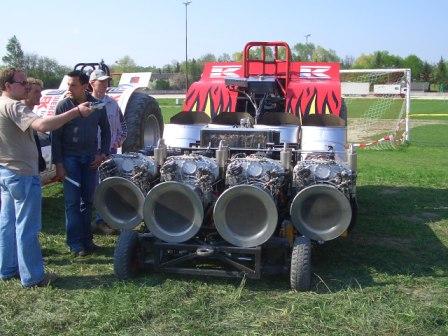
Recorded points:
(99,158)
(84,109)
(60,172)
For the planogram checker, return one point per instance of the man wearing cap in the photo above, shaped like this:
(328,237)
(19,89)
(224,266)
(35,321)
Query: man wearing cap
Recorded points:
(76,155)
(99,82)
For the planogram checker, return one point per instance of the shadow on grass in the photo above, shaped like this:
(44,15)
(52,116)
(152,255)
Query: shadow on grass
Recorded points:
(394,236)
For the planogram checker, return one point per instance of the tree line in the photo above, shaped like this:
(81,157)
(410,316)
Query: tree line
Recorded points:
(51,72)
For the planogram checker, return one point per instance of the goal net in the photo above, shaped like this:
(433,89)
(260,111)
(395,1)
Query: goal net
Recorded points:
(378,105)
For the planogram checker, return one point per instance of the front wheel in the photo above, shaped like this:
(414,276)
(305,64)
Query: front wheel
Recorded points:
(300,273)
(127,255)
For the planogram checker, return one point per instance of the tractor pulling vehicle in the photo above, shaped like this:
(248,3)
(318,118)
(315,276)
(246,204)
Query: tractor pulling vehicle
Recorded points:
(254,171)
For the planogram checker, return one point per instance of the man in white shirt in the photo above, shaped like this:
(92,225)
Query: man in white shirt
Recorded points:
(99,82)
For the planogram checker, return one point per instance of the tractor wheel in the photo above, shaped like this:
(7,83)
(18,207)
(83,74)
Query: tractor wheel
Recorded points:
(300,273)
(144,122)
(127,255)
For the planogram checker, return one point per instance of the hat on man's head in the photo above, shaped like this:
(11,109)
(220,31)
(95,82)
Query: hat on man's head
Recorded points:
(98,74)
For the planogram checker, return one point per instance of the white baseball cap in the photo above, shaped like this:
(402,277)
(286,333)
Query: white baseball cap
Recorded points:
(98,74)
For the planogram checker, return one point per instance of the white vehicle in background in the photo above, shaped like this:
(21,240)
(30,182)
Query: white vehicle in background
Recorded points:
(141,111)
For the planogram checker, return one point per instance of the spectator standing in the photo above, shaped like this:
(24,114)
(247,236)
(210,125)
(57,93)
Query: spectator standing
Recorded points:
(32,99)
(20,213)
(99,82)
(75,153)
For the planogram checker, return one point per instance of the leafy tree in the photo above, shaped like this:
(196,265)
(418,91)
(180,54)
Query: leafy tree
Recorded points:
(224,58)
(347,62)
(414,63)
(125,64)
(303,51)
(14,56)
(426,73)
(237,56)
(207,58)
(321,54)
(46,69)
(440,72)
(365,61)
(380,59)
(178,81)
(162,84)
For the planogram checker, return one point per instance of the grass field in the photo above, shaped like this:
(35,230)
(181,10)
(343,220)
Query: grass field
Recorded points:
(390,277)
(420,108)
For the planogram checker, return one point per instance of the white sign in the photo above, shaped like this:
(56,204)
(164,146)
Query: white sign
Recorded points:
(223,71)
(314,71)
(137,79)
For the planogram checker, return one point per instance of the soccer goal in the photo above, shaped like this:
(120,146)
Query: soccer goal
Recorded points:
(378,106)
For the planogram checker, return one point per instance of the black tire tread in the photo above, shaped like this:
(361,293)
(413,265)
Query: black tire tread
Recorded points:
(300,272)
(124,253)
(140,106)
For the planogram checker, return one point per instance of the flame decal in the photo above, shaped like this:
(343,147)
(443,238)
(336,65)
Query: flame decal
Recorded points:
(313,99)
(211,98)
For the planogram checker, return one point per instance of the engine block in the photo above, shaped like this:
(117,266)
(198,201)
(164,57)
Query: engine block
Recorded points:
(324,170)
(136,167)
(255,170)
(197,171)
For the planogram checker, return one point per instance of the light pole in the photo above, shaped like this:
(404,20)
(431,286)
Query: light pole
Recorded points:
(306,37)
(308,56)
(186,3)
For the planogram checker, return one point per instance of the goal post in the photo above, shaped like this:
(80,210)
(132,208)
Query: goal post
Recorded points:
(378,106)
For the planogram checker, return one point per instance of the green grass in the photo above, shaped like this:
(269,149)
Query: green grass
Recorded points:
(390,277)
(169,108)
(420,108)
(357,108)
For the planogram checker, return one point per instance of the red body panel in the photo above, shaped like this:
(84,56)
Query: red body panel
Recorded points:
(311,88)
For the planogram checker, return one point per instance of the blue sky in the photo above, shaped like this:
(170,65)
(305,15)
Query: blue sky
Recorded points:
(153,32)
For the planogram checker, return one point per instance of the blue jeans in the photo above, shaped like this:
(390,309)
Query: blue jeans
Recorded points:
(78,201)
(20,224)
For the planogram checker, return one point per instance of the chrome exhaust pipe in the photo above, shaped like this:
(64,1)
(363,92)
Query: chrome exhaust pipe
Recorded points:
(173,212)
(245,215)
(119,202)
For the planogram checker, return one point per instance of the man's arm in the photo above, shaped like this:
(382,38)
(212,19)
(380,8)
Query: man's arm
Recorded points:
(54,122)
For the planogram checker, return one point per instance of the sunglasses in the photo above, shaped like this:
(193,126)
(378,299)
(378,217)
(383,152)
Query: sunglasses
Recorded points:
(23,83)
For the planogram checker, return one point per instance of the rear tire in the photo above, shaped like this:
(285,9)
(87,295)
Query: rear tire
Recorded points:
(127,255)
(144,122)
(300,273)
